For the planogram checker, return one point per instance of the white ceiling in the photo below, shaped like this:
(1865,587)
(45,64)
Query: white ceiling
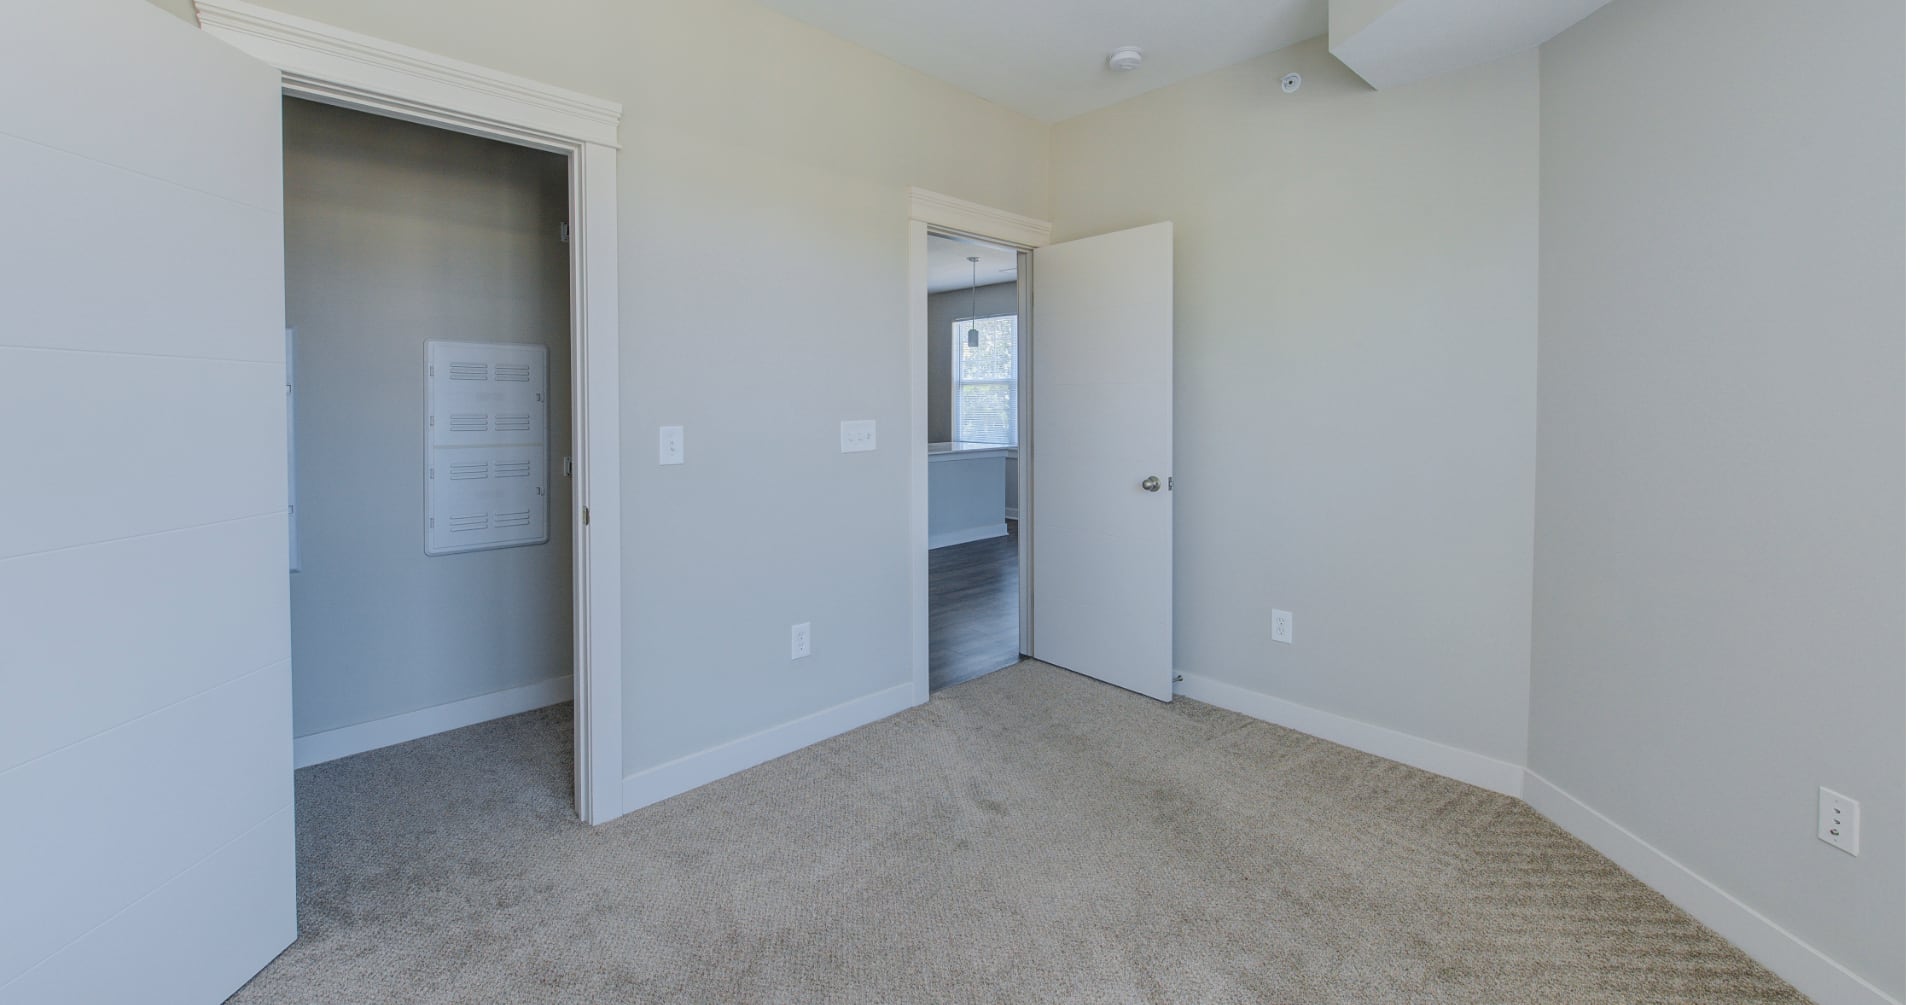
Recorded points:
(948,268)
(1399,42)
(1049,59)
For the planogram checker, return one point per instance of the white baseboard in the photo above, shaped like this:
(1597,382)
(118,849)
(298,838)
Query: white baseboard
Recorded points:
(1817,976)
(1428,755)
(644,788)
(1013,514)
(316,748)
(947,539)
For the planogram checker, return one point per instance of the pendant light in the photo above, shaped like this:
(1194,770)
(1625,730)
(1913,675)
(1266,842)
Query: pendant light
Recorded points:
(973,332)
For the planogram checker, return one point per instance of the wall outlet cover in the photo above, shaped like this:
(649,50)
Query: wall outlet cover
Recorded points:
(858,435)
(1283,626)
(802,641)
(673,445)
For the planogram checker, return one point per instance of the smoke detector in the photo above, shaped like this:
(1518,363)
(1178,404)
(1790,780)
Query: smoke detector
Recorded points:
(1127,57)
(1290,83)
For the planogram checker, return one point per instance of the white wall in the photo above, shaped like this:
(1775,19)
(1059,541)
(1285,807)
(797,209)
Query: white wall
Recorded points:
(966,498)
(1718,603)
(763,184)
(396,234)
(1353,377)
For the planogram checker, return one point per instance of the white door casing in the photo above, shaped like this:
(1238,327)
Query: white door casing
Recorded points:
(324,63)
(927,211)
(146,737)
(1102,376)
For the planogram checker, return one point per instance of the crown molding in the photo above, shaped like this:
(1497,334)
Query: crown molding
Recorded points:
(325,61)
(949,213)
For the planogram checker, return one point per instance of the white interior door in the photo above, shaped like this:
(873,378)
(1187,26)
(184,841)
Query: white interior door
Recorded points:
(1102,520)
(146,776)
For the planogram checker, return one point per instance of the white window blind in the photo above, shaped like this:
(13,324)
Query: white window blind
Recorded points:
(985,379)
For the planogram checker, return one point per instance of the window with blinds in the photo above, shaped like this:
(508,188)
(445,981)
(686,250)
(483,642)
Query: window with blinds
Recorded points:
(984,381)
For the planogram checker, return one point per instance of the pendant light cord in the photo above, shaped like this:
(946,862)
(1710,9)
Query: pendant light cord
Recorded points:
(973,320)
(975,309)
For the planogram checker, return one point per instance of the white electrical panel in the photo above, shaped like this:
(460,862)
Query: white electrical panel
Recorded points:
(486,446)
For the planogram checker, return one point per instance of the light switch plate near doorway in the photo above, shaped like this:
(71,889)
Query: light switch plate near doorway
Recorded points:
(1839,821)
(857,435)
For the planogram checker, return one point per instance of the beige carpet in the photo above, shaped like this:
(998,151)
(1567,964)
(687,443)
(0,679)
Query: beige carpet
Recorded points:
(1030,836)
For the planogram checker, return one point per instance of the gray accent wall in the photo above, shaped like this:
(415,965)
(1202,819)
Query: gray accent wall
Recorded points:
(943,309)
(1718,610)
(1354,330)
(396,234)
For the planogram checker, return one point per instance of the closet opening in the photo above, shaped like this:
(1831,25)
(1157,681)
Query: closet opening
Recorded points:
(430,380)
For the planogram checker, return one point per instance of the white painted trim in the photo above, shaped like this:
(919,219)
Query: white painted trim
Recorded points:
(1813,972)
(1013,514)
(967,535)
(598,726)
(1023,460)
(325,63)
(1427,755)
(694,770)
(926,210)
(333,58)
(317,748)
(1817,975)
(918,637)
(949,213)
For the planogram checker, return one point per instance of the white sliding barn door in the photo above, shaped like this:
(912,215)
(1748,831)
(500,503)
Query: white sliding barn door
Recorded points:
(1102,519)
(146,780)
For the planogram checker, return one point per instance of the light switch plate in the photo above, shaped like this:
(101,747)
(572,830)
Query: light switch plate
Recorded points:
(673,445)
(1839,821)
(858,435)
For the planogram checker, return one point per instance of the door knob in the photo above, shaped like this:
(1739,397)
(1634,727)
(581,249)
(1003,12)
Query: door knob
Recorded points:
(1152,484)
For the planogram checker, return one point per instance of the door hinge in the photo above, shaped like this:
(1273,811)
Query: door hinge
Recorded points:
(586,516)
(566,231)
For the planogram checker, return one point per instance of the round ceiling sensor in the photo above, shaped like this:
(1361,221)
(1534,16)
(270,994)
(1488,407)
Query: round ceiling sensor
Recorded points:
(1290,83)
(1125,58)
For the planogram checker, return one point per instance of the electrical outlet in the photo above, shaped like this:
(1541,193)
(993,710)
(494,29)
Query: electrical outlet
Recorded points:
(673,446)
(1839,821)
(1283,626)
(858,435)
(802,640)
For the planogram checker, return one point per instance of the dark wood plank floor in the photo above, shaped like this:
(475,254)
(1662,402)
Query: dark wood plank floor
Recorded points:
(973,616)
